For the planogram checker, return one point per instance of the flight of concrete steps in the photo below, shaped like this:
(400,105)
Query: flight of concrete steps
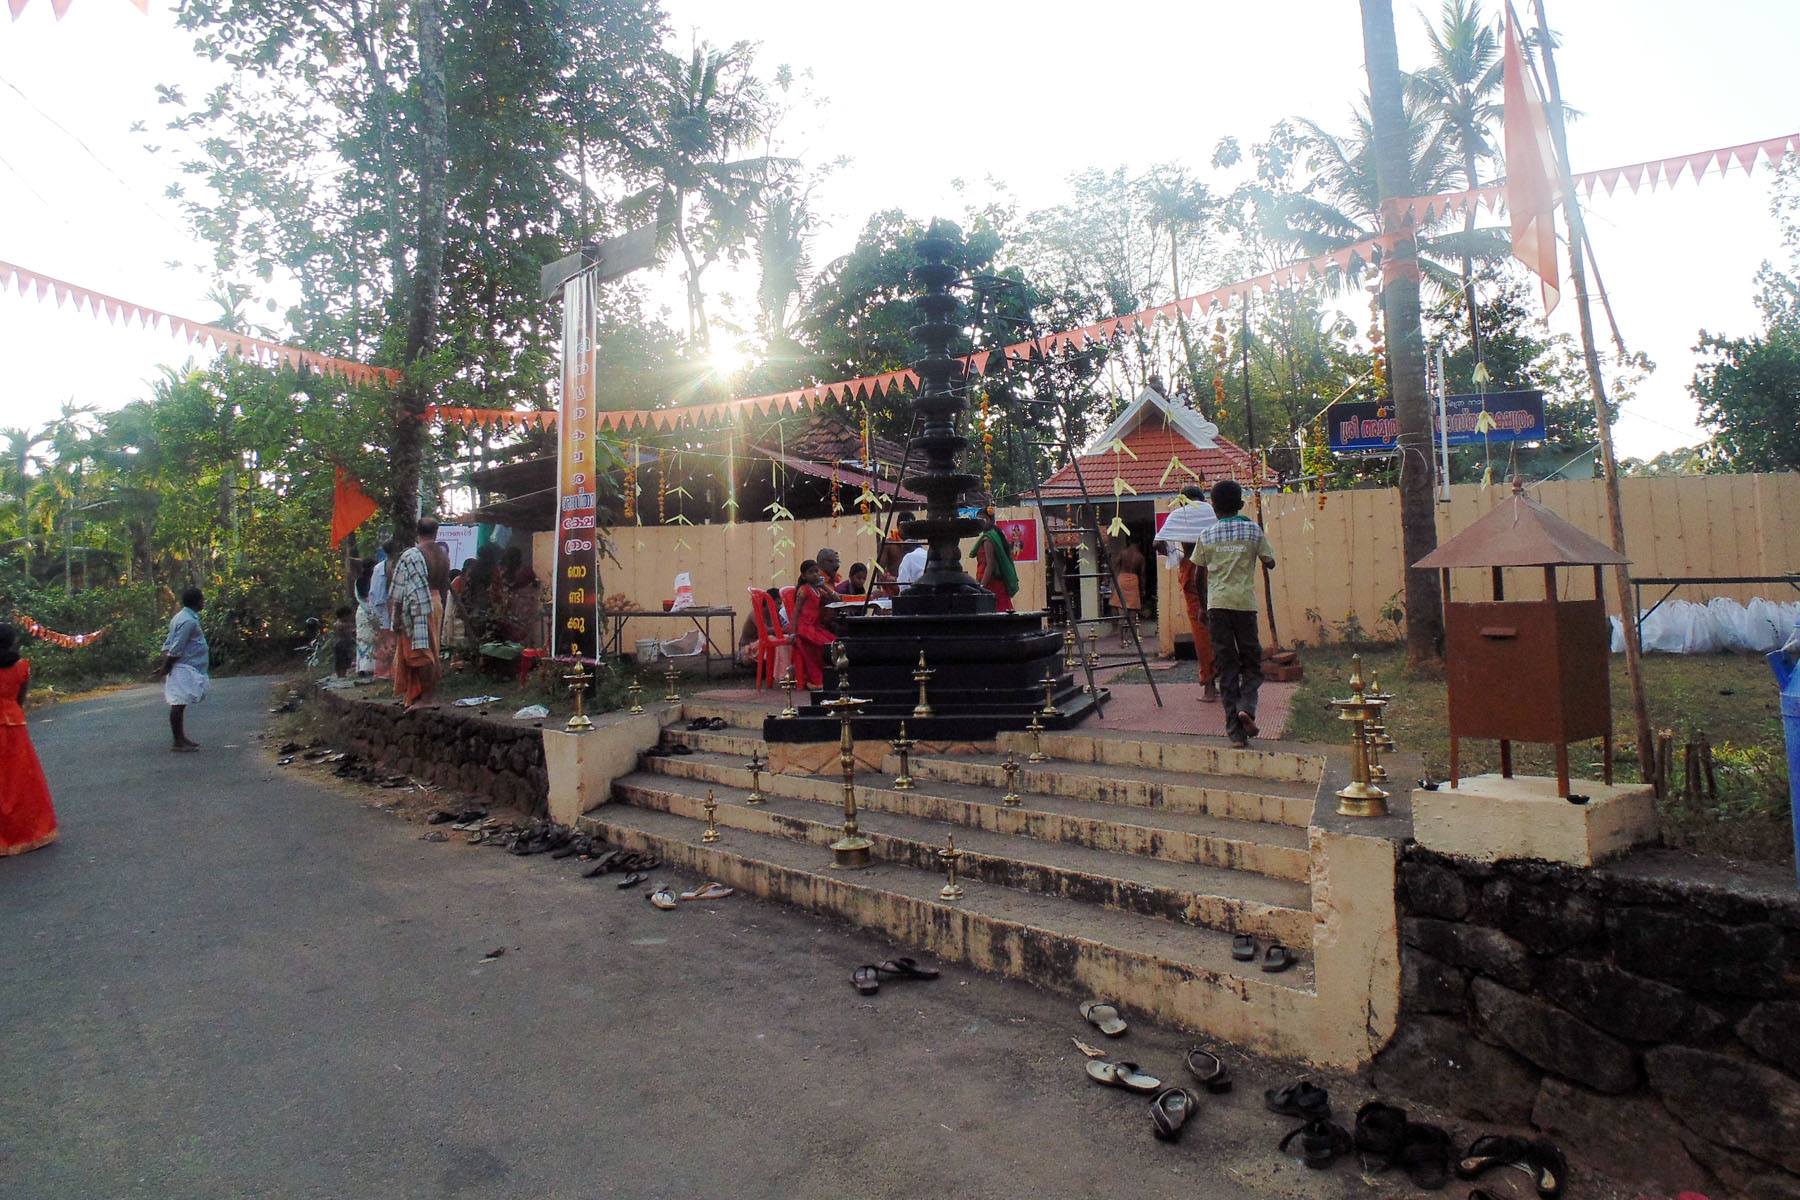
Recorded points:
(1124,873)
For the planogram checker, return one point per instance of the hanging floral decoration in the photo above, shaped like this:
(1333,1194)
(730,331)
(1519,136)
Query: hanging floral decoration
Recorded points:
(1316,457)
(68,641)
(1378,348)
(662,488)
(837,507)
(1218,381)
(631,485)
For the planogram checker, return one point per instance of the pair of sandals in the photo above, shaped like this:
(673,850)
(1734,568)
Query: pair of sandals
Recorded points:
(1170,1107)
(1385,1138)
(1275,957)
(634,864)
(664,897)
(1537,1157)
(667,751)
(867,978)
(707,723)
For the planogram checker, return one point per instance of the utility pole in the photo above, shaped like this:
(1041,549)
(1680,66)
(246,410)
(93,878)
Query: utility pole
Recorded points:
(1634,669)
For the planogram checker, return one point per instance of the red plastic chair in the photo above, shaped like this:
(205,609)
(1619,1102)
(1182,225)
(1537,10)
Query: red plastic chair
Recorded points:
(769,637)
(788,601)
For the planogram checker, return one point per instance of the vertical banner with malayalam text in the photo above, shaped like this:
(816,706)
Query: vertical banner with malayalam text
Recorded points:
(575,619)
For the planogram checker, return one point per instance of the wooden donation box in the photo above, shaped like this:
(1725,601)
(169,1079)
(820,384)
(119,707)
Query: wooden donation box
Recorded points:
(1526,670)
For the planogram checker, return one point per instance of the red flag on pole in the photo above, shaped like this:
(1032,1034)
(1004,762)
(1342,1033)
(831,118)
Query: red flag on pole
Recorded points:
(1532,188)
(350,506)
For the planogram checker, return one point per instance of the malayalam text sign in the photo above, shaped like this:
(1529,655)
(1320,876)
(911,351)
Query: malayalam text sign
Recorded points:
(1366,427)
(575,619)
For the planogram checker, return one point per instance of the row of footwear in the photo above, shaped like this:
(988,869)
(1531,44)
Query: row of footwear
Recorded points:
(1170,1107)
(1384,1138)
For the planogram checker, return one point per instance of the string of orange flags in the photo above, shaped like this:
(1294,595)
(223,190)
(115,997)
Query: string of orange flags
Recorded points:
(68,641)
(59,7)
(1367,252)
(254,348)
(1423,210)
(1416,210)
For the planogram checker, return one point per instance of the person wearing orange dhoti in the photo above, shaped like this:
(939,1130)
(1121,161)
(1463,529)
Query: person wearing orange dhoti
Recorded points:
(416,665)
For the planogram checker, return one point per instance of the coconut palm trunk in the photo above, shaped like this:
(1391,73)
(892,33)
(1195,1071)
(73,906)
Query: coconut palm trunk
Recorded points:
(1406,342)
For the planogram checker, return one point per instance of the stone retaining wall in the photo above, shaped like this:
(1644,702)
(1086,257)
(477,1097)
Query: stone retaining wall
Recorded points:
(1646,1019)
(498,759)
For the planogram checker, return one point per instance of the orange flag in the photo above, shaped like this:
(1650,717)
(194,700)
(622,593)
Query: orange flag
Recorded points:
(350,506)
(1532,179)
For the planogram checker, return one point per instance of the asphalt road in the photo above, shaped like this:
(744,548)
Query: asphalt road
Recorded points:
(226,981)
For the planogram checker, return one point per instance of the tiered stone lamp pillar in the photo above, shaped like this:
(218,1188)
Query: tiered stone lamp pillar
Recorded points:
(986,668)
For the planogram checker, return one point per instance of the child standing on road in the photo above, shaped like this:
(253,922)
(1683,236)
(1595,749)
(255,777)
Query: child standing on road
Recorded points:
(26,819)
(1229,551)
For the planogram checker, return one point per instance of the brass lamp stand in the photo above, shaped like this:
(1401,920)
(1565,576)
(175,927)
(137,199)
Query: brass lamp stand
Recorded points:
(1360,797)
(788,711)
(756,766)
(903,781)
(852,850)
(922,675)
(1036,730)
(578,680)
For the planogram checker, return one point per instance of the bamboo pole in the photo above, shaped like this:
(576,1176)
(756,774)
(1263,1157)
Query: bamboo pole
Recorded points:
(1634,669)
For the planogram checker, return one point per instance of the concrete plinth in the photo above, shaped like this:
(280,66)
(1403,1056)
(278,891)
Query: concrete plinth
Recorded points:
(583,766)
(1490,817)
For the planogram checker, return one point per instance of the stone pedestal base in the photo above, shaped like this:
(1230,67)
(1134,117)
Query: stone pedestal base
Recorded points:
(1490,817)
(582,766)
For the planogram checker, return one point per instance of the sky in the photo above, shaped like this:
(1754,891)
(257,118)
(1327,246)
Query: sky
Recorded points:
(930,97)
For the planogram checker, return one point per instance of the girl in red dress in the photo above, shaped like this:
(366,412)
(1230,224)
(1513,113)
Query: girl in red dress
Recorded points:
(26,819)
(810,635)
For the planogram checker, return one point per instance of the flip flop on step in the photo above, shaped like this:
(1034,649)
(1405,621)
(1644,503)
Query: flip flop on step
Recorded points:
(1104,1017)
(1243,947)
(1301,1098)
(866,979)
(906,968)
(1277,958)
(662,898)
(1125,1075)
(1320,1143)
(708,891)
(1209,1069)
(1170,1111)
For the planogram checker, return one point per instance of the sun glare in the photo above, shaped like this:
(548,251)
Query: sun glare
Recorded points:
(727,361)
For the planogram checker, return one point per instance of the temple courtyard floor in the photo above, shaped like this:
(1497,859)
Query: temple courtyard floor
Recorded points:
(226,980)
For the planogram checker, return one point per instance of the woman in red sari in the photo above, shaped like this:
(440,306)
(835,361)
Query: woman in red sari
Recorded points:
(26,819)
(810,634)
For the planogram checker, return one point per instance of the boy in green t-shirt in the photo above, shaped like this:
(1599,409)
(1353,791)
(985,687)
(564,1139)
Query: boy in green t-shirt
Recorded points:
(1230,550)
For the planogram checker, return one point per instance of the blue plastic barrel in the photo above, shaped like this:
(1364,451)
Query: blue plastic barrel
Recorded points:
(1783,664)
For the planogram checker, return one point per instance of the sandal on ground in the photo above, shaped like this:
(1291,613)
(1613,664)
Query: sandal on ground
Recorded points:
(1380,1132)
(602,865)
(866,979)
(906,968)
(1494,1150)
(708,891)
(1243,947)
(1104,1017)
(1170,1111)
(1548,1169)
(1208,1069)
(1277,958)
(1425,1156)
(1321,1143)
(1125,1075)
(1301,1098)
(662,898)
(631,881)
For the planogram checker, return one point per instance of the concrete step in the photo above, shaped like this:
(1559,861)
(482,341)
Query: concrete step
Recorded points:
(1163,833)
(1209,897)
(1179,752)
(1244,798)
(1155,969)
(732,740)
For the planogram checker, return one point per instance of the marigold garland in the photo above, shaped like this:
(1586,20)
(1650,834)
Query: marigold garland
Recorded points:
(68,641)
(987,447)
(1316,458)
(1218,349)
(662,488)
(1378,349)
(631,476)
(862,500)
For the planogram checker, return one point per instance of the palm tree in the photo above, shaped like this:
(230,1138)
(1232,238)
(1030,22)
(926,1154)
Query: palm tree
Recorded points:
(1178,205)
(1342,204)
(1459,93)
(784,253)
(19,461)
(707,107)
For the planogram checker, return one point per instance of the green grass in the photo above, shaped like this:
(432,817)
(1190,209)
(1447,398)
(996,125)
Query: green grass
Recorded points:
(1732,698)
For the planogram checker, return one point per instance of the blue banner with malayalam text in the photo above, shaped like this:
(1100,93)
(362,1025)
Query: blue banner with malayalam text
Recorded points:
(1365,427)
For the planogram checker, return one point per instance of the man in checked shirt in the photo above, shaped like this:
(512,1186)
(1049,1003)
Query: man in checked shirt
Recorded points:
(1230,550)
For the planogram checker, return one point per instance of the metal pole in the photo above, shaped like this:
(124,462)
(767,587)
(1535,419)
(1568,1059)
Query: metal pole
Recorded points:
(1634,673)
(1443,407)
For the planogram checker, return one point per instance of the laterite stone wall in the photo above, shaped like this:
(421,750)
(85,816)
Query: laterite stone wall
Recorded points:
(1645,1015)
(498,759)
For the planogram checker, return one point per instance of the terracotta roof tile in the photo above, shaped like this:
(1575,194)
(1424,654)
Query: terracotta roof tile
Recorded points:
(1154,448)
